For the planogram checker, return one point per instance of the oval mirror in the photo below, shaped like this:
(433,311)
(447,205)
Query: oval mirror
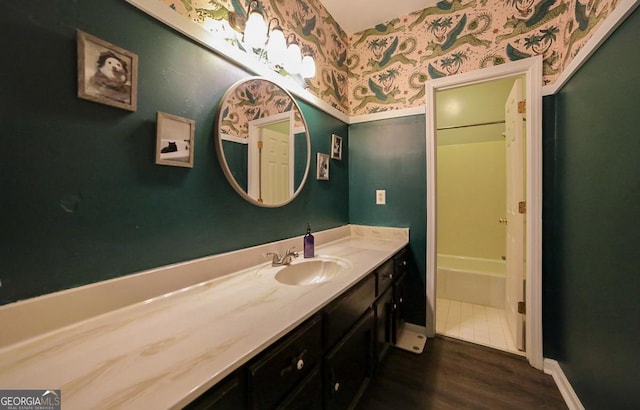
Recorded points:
(262,141)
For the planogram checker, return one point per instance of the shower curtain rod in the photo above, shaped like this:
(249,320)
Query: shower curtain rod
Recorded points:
(470,125)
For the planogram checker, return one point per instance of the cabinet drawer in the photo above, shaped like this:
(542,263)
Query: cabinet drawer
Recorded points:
(401,261)
(275,374)
(384,276)
(341,315)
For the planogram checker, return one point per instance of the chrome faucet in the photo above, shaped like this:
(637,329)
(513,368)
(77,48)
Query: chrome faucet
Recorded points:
(285,259)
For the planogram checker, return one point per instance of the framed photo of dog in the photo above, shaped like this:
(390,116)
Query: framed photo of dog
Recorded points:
(107,74)
(174,140)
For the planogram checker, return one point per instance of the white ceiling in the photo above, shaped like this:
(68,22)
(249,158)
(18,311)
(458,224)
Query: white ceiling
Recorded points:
(357,15)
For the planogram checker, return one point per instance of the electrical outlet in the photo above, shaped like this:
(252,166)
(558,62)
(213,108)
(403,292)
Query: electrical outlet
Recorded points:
(381,197)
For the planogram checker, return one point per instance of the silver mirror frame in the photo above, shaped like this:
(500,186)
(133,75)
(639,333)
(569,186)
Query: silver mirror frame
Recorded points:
(223,161)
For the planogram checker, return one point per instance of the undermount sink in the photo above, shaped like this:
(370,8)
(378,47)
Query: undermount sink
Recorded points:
(312,271)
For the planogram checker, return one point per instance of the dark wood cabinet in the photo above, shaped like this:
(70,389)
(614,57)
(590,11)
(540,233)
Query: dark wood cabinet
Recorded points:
(390,301)
(326,362)
(348,365)
(400,261)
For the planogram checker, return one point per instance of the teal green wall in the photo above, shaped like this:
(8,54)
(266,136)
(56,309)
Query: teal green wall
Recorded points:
(82,200)
(300,151)
(390,155)
(237,156)
(592,283)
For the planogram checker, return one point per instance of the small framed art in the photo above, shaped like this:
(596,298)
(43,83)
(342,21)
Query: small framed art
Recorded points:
(107,74)
(322,172)
(336,147)
(174,140)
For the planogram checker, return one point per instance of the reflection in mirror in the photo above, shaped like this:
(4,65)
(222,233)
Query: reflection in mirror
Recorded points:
(262,142)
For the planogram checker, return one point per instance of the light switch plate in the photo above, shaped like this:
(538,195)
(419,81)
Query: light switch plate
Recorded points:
(381,197)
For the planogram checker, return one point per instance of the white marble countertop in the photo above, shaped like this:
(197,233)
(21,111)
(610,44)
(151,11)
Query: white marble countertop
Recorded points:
(166,351)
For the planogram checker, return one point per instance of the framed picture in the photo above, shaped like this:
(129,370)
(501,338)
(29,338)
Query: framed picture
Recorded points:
(107,74)
(174,140)
(322,167)
(336,147)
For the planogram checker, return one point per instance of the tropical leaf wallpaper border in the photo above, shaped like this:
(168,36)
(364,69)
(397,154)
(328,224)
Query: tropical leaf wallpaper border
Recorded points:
(385,67)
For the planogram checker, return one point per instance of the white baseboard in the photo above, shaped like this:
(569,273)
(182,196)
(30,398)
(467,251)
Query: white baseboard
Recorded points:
(570,397)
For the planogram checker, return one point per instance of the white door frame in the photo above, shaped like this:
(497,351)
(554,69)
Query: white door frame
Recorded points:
(531,68)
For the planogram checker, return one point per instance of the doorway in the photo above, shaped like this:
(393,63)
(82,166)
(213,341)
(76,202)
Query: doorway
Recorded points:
(531,70)
(480,181)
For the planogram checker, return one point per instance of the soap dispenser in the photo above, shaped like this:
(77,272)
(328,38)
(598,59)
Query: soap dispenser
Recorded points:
(309,248)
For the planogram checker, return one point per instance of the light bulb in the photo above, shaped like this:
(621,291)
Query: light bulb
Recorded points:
(255,31)
(308,69)
(293,61)
(276,47)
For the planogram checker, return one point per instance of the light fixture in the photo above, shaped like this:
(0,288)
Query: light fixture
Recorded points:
(270,43)
(255,30)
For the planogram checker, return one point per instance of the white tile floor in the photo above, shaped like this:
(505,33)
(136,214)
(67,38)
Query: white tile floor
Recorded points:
(479,324)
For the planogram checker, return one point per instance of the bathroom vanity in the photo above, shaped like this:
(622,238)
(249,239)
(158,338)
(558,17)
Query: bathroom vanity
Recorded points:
(240,339)
(327,361)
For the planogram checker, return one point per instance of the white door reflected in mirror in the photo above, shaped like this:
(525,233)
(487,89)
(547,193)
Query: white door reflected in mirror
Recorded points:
(271,158)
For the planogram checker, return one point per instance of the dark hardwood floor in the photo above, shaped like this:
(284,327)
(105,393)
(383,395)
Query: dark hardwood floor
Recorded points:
(452,374)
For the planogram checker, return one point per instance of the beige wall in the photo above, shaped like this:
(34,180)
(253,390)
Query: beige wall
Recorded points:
(472,170)
(471,198)
(472,104)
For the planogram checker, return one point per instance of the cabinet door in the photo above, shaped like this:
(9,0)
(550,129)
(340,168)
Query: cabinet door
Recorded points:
(384,312)
(397,309)
(343,313)
(308,395)
(226,395)
(278,371)
(348,365)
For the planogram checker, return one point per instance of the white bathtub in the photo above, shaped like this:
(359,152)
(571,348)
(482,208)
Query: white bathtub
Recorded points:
(472,280)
